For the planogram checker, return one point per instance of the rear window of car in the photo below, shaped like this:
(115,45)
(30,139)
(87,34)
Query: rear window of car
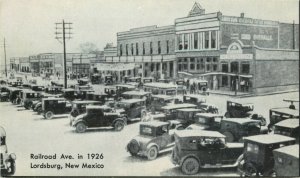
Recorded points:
(145,130)
(252,148)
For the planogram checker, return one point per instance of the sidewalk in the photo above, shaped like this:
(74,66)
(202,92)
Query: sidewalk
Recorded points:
(243,94)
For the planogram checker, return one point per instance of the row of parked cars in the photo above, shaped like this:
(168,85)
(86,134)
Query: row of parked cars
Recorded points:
(197,133)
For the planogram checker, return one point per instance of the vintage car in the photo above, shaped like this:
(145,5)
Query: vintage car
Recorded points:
(286,161)
(280,114)
(138,95)
(288,127)
(55,106)
(8,161)
(132,108)
(79,107)
(36,105)
(69,94)
(187,116)
(96,96)
(208,108)
(258,158)
(14,95)
(204,149)
(135,81)
(97,116)
(108,80)
(181,88)
(53,90)
(194,99)
(4,94)
(147,80)
(28,96)
(96,78)
(37,88)
(206,121)
(83,81)
(121,88)
(157,88)
(239,109)
(153,137)
(159,101)
(110,91)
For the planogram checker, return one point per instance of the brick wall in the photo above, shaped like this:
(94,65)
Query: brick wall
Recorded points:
(286,36)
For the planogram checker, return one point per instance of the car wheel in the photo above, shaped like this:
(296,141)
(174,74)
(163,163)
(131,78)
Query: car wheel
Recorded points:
(229,136)
(80,127)
(133,147)
(119,125)
(49,115)
(152,153)
(250,170)
(190,166)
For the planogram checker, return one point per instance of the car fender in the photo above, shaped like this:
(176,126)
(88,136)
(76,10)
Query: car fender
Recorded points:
(119,119)
(80,120)
(152,144)
(189,156)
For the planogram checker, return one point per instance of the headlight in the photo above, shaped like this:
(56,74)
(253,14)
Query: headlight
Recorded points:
(13,156)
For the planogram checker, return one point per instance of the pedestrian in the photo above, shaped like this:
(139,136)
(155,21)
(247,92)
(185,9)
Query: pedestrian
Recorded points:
(242,84)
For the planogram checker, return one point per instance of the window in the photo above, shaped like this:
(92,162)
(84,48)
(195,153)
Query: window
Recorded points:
(245,68)
(213,39)
(196,40)
(186,41)
(158,47)
(167,46)
(215,67)
(206,40)
(126,49)
(224,67)
(192,63)
(136,49)
(252,148)
(180,43)
(234,67)
(132,49)
(207,67)
(143,48)
(224,80)
(208,59)
(121,49)
(151,49)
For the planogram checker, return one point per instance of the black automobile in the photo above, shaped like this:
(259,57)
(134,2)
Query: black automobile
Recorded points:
(97,116)
(79,107)
(29,96)
(288,127)
(55,106)
(280,114)
(108,80)
(7,161)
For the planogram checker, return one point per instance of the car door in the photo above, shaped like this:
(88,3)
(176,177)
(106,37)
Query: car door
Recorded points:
(212,151)
(164,138)
(94,118)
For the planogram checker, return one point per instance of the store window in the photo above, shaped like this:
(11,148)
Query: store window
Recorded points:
(180,42)
(224,81)
(158,47)
(213,39)
(215,67)
(192,63)
(245,68)
(196,40)
(234,67)
(224,67)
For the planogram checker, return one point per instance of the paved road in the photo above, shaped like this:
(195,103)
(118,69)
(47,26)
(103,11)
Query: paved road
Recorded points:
(28,133)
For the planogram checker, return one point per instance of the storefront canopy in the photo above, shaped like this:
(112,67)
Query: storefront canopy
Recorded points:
(116,66)
(228,74)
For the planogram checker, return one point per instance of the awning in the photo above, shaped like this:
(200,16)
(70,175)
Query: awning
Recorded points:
(185,73)
(228,74)
(116,66)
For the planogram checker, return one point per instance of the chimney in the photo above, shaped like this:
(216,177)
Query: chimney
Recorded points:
(242,15)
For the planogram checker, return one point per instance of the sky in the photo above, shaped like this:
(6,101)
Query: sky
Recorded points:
(28,26)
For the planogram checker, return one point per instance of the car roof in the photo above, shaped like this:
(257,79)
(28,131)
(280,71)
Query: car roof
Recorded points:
(199,133)
(161,85)
(154,123)
(239,101)
(269,139)
(54,99)
(294,112)
(162,96)
(289,123)
(125,85)
(292,150)
(195,96)
(139,93)
(175,106)
(85,102)
(69,89)
(29,91)
(188,109)
(240,120)
(131,100)
(208,115)
(96,107)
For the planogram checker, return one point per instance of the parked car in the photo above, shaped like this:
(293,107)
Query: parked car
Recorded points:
(14,95)
(132,108)
(208,108)
(108,80)
(121,88)
(110,91)
(97,116)
(147,80)
(258,158)
(206,121)
(79,107)
(69,94)
(54,90)
(153,137)
(193,99)
(138,95)
(238,109)
(37,104)
(55,106)
(4,94)
(171,110)
(204,149)
(288,127)
(28,96)
(286,161)
(280,114)
(157,88)
(186,116)
(159,101)
(83,81)
(7,161)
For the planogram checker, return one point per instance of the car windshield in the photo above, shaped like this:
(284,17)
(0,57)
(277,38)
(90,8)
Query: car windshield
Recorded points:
(203,120)
(147,130)
(122,105)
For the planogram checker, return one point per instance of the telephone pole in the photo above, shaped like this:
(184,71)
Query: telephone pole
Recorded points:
(4,47)
(63,31)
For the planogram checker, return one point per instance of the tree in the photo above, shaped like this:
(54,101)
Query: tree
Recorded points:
(88,47)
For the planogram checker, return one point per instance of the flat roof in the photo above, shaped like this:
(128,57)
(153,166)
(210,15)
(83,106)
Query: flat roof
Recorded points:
(175,106)
(162,96)
(161,85)
(131,100)
(240,101)
(269,139)
(125,85)
(96,107)
(208,115)
(292,150)
(54,99)
(294,112)
(289,123)
(154,123)
(241,120)
(139,93)
(189,109)
(199,133)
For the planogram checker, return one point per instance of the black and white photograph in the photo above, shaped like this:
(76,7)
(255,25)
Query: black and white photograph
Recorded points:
(206,88)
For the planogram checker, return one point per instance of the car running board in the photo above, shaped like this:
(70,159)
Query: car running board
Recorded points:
(220,165)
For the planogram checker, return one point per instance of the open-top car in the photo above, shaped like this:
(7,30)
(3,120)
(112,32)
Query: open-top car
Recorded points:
(97,116)
(239,109)
(153,137)
(258,158)
(286,161)
(288,127)
(55,106)
(7,161)
(280,114)
(204,149)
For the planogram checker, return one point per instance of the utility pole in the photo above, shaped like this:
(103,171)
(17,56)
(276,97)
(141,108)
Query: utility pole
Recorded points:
(58,27)
(4,47)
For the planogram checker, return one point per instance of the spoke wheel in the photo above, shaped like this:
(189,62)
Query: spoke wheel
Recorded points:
(152,153)
(190,166)
(49,115)
(80,127)
(119,125)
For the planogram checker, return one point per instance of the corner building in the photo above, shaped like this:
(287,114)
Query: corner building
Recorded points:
(232,53)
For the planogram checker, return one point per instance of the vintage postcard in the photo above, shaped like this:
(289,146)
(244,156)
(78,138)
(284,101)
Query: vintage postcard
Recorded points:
(149,88)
